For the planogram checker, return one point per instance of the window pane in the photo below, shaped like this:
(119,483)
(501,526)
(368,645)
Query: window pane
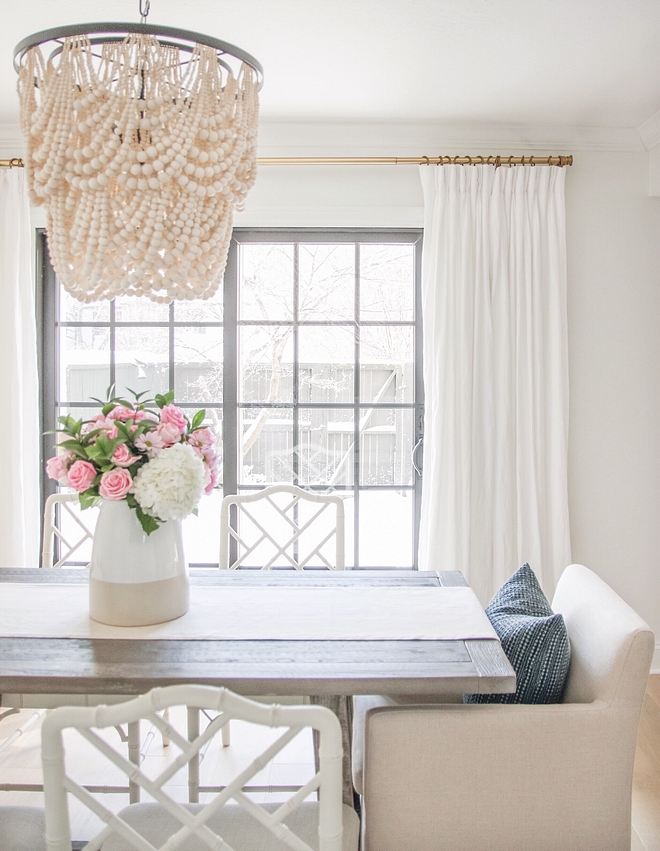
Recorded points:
(327,282)
(386,446)
(386,528)
(387,283)
(142,360)
(200,310)
(265,446)
(84,363)
(266,282)
(386,363)
(72,310)
(327,357)
(201,534)
(326,448)
(266,363)
(136,309)
(198,359)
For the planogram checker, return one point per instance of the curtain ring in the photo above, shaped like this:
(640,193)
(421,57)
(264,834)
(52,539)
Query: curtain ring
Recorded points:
(498,161)
(427,161)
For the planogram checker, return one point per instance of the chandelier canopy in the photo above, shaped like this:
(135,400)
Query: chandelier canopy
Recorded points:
(140,143)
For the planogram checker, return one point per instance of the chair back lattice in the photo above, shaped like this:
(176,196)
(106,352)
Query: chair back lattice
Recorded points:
(282,526)
(192,822)
(51,530)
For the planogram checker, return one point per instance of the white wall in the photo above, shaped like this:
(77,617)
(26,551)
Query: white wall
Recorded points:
(614,332)
(613,231)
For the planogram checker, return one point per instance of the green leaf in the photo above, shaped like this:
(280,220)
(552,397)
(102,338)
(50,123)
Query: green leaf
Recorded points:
(75,447)
(148,523)
(197,420)
(105,410)
(89,498)
(166,399)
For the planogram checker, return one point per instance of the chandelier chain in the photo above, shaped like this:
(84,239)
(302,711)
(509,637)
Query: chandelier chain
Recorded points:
(144,10)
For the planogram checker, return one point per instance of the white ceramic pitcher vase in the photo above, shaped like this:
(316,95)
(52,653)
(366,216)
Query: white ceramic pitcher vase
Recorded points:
(136,579)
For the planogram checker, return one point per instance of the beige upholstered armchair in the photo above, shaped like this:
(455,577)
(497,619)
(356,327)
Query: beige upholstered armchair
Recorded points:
(497,777)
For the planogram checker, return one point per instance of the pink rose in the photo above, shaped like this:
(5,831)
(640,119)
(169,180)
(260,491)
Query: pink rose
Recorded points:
(56,468)
(81,475)
(169,433)
(121,412)
(115,484)
(122,456)
(173,415)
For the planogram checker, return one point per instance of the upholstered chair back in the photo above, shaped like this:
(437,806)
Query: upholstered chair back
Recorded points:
(611,646)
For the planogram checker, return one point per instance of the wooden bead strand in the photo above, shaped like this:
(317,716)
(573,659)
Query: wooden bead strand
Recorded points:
(139,162)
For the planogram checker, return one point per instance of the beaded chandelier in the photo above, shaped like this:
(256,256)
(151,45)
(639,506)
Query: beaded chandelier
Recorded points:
(140,147)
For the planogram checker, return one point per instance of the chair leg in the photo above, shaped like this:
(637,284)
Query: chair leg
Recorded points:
(226,735)
(19,730)
(134,756)
(193,764)
(166,717)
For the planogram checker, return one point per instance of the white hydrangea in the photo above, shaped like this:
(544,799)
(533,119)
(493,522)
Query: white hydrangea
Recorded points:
(172,483)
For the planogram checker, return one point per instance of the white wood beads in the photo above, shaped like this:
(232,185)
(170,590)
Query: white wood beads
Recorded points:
(140,160)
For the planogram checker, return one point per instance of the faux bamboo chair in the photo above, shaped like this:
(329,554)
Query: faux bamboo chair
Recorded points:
(296,535)
(231,816)
(505,777)
(274,511)
(52,531)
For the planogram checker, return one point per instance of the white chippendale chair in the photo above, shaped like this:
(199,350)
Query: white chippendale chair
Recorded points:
(231,819)
(53,532)
(268,527)
(282,526)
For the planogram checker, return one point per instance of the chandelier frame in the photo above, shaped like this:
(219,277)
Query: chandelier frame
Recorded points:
(168,36)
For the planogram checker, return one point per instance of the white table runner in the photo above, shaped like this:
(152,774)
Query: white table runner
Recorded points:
(216,612)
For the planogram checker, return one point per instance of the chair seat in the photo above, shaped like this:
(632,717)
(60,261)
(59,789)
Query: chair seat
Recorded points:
(239,829)
(22,829)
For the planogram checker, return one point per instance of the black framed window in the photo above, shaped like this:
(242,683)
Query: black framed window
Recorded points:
(308,362)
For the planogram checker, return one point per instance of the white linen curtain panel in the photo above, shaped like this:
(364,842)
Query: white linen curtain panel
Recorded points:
(19,385)
(494,492)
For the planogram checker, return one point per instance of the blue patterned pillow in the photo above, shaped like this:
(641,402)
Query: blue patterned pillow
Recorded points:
(534,639)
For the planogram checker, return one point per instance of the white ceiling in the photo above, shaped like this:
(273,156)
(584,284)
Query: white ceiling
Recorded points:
(550,62)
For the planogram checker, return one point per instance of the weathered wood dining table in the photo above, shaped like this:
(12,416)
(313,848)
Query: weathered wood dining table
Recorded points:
(117,666)
(38,669)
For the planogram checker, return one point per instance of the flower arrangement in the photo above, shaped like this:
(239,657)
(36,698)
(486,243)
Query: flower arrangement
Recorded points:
(159,461)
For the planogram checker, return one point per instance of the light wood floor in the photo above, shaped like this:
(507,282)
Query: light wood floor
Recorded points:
(20,763)
(646,779)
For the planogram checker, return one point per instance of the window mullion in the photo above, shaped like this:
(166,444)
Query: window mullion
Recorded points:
(356,416)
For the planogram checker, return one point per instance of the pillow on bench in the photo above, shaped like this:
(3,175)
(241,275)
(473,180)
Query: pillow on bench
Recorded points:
(534,639)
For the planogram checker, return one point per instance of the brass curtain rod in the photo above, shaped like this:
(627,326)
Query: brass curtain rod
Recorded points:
(560,161)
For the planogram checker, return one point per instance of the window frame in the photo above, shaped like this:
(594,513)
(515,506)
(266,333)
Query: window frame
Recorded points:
(48,310)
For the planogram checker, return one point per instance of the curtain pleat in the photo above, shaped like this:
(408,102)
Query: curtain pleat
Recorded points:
(494,492)
(19,384)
